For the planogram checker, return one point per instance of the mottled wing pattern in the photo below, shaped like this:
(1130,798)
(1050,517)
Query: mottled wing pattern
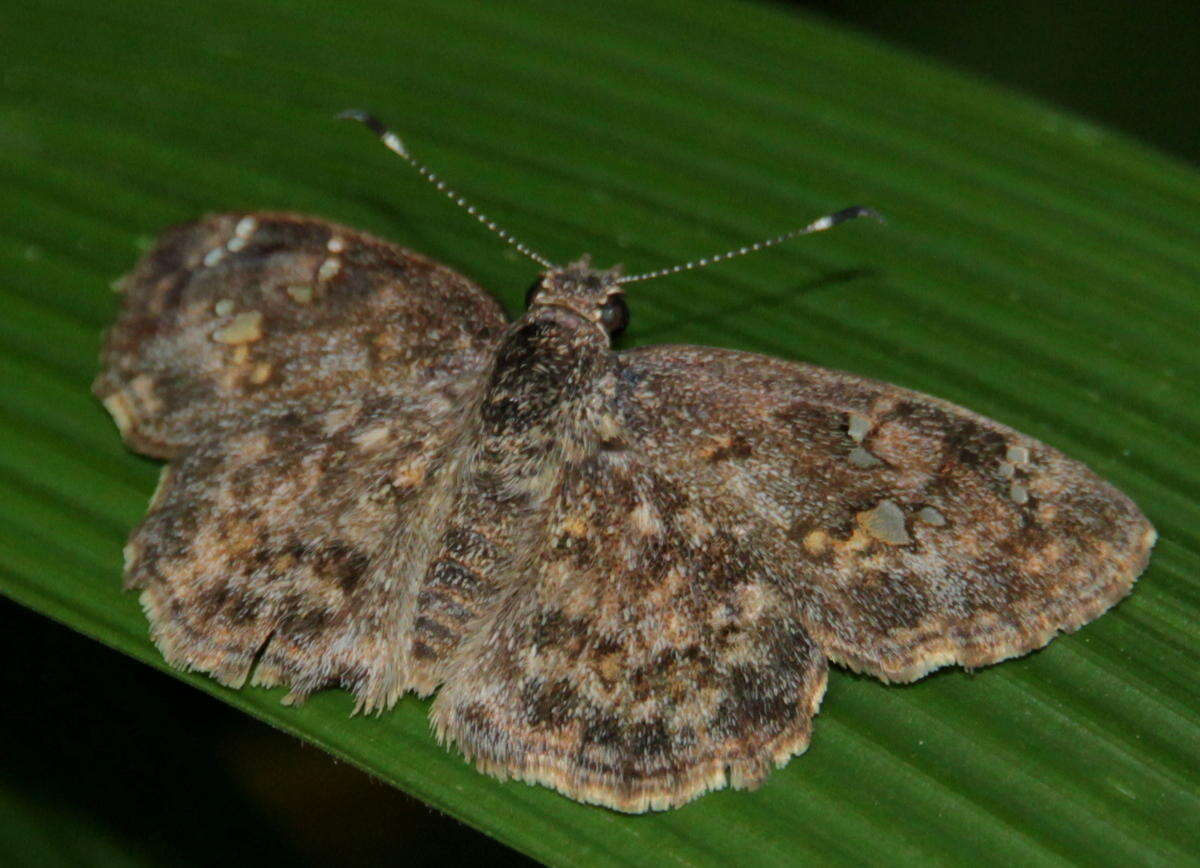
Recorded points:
(728,521)
(238,313)
(641,657)
(308,382)
(909,533)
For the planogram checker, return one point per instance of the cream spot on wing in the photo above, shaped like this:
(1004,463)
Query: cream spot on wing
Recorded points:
(575,526)
(261,373)
(858,426)
(214,256)
(142,387)
(130,553)
(609,667)
(240,354)
(372,437)
(223,307)
(1007,470)
(885,522)
(860,457)
(1018,454)
(119,408)
(645,520)
(931,516)
(816,541)
(246,328)
(410,474)
(245,227)
(1018,493)
(235,244)
(335,245)
(329,269)
(301,294)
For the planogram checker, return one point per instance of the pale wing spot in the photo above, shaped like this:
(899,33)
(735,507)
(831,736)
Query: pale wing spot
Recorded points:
(224,307)
(335,245)
(143,389)
(301,294)
(816,541)
(213,256)
(261,373)
(241,353)
(1018,493)
(246,328)
(410,474)
(235,244)
(1018,454)
(130,554)
(645,520)
(1007,471)
(329,269)
(119,408)
(857,426)
(245,227)
(931,516)
(885,522)
(860,457)
(575,526)
(372,437)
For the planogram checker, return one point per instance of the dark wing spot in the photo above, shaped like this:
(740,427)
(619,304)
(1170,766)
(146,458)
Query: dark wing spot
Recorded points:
(549,705)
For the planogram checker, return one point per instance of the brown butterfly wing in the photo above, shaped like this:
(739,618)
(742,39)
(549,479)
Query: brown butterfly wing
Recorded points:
(238,314)
(307,382)
(733,521)
(911,533)
(642,657)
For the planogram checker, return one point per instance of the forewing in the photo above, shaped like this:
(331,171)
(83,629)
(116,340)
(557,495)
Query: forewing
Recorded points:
(237,314)
(909,532)
(640,658)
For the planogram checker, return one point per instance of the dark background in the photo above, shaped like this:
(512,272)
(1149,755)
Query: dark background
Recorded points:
(1132,66)
(237,788)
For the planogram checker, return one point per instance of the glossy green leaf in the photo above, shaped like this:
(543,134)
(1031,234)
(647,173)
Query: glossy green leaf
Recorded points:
(1035,268)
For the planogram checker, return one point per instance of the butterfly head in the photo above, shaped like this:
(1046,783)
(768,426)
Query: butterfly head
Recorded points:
(591,293)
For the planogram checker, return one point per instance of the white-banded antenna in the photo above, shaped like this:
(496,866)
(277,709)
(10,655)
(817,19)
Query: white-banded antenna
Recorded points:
(818,225)
(393,142)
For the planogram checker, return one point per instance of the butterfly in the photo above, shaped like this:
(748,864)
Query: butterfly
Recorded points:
(623,573)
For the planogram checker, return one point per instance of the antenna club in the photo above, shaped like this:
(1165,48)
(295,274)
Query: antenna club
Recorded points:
(819,225)
(367,119)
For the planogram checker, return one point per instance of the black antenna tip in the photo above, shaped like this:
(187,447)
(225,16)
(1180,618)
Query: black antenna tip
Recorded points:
(853,213)
(367,119)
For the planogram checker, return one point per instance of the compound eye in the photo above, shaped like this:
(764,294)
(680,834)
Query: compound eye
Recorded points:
(614,315)
(533,290)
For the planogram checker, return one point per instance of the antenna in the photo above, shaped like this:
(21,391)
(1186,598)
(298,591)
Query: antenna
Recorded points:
(393,142)
(818,225)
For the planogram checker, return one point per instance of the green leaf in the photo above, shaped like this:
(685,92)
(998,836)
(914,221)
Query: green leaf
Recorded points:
(1035,268)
